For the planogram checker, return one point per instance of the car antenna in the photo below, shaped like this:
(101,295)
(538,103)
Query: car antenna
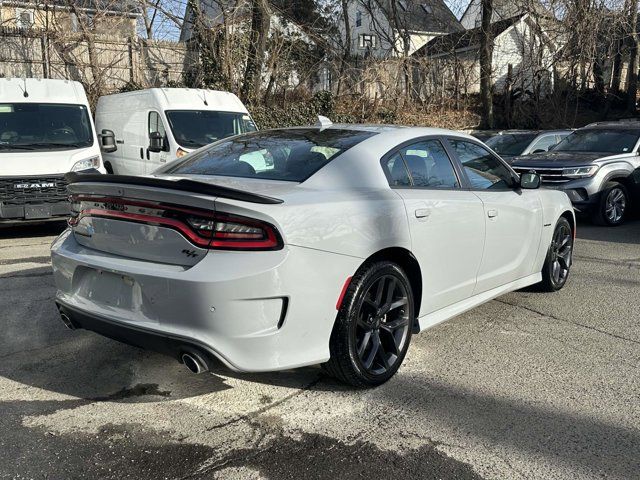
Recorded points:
(323,122)
(25,94)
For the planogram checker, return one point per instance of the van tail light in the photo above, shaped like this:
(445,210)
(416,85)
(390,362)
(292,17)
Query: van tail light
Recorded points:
(204,228)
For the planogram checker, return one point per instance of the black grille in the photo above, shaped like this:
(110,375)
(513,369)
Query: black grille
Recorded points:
(33,190)
(547,175)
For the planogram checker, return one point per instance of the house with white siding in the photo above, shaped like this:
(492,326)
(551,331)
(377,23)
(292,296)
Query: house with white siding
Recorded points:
(523,59)
(387,28)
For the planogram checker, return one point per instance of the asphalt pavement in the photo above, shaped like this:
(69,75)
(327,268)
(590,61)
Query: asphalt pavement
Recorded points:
(531,385)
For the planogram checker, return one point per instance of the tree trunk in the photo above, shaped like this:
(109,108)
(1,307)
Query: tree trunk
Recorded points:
(616,69)
(260,22)
(486,55)
(632,72)
(347,45)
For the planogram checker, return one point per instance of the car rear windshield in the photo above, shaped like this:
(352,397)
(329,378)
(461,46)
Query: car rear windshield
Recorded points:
(197,128)
(599,140)
(510,143)
(289,154)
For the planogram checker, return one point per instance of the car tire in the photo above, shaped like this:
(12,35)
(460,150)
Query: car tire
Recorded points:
(613,206)
(557,264)
(373,328)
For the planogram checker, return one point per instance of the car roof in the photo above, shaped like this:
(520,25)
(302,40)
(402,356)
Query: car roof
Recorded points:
(630,124)
(385,128)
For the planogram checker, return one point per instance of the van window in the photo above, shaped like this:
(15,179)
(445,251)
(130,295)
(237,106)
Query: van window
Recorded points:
(197,128)
(155,124)
(44,126)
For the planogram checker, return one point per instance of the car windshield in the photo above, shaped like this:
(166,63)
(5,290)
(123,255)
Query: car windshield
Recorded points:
(197,128)
(511,143)
(599,140)
(44,126)
(290,154)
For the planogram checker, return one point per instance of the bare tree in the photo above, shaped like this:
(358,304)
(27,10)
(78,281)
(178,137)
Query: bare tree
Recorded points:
(260,24)
(632,70)
(486,67)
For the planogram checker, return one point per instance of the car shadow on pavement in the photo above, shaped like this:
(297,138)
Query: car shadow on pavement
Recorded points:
(627,233)
(532,429)
(34,230)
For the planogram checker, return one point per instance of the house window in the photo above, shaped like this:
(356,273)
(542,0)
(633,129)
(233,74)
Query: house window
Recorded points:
(358,18)
(367,41)
(90,21)
(24,18)
(74,22)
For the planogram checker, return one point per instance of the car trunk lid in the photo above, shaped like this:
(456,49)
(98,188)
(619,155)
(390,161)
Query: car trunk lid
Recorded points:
(155,219)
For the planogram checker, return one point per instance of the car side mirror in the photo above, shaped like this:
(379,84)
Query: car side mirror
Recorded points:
(156,142)
(530,181)
(108,141)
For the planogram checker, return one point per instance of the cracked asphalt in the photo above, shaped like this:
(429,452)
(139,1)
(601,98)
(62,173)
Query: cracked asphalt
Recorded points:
(540,386)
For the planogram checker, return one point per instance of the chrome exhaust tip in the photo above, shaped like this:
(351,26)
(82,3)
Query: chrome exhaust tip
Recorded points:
(194,362)
(67,321)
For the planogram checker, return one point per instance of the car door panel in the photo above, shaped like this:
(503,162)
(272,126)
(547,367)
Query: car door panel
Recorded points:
(446,223)
(447,237)
(513,228)
(513,217)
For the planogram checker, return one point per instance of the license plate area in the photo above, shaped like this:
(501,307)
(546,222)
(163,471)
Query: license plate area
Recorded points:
(107,289)
(34,212)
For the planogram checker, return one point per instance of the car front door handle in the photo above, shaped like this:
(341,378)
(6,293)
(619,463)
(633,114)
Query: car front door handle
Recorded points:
(422,212)
(492,213)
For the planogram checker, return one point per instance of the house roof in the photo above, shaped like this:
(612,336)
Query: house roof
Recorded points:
(425,16)
(506,9)
(422,15)
(465,39)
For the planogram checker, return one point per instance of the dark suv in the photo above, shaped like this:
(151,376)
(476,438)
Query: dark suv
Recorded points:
(598,166)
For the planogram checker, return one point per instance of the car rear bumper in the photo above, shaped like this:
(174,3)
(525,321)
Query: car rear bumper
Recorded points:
(255,311)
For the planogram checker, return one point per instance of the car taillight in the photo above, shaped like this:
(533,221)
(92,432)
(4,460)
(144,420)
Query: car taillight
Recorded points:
(204,228)
(235,232)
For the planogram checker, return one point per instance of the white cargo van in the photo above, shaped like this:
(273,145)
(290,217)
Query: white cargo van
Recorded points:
(144,129)
(46,131)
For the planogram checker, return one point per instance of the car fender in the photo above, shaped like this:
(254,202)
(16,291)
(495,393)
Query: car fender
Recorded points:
(555,203)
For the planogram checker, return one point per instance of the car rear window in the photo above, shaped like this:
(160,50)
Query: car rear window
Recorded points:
(288,154)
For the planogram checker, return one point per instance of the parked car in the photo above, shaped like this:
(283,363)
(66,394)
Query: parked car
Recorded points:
(144,129)
(46,130)
(512,143)
(597,166)
(350,240)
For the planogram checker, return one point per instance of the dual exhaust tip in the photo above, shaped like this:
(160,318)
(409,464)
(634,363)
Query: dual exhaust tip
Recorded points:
(194,361)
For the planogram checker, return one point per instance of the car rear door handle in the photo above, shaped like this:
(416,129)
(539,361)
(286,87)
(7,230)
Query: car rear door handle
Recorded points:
(492,213)
(422,212)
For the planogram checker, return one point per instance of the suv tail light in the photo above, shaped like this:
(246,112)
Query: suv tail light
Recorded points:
(204,228)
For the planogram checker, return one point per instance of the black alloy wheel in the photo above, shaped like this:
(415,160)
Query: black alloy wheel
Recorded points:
(374,325)
(559,258)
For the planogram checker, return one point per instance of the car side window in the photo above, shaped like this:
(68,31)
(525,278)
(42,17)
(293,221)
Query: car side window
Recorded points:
(155,123)
(429,165)
(396,171)
(544,143)
(484,170)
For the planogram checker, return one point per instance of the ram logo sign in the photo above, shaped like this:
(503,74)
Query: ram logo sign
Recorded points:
(33,186)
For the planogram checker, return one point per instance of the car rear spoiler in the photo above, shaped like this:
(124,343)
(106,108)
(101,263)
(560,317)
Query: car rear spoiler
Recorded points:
(182,185)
